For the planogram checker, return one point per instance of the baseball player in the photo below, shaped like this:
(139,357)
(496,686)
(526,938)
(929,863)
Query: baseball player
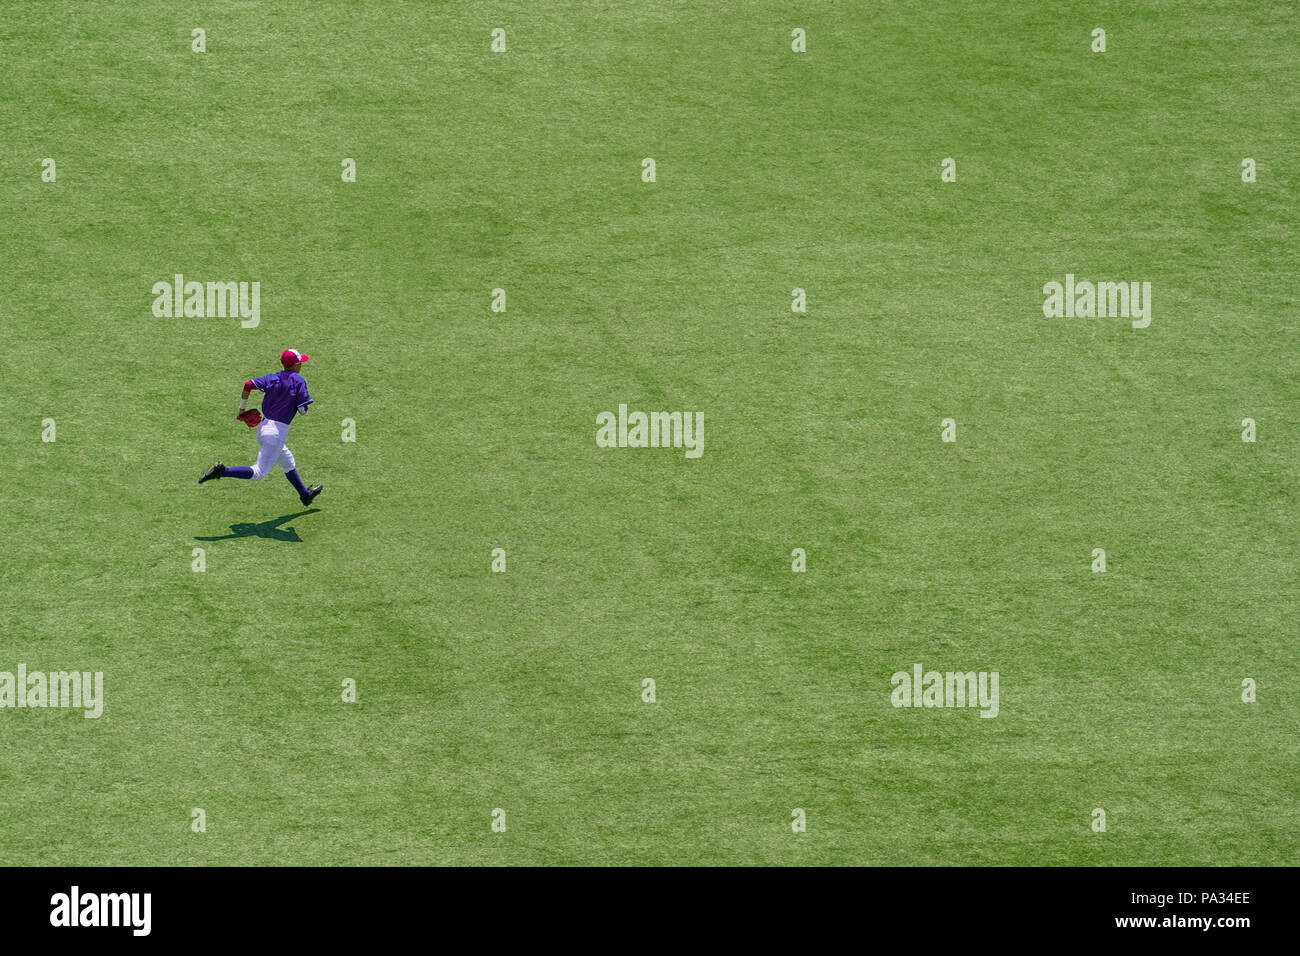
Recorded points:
(285,396)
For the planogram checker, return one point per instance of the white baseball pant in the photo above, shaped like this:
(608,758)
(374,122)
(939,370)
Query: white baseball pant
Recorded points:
(271,436)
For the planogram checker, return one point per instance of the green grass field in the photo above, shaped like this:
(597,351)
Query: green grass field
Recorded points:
(475,430)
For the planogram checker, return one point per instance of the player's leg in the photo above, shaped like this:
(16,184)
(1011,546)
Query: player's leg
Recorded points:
(270,437)
(290,469)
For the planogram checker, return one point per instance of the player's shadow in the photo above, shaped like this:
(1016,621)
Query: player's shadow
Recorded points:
(263,529)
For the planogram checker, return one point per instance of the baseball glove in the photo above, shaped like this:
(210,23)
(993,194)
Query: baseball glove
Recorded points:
(250,417)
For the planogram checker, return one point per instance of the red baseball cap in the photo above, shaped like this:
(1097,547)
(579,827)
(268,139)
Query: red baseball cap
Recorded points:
(290,356)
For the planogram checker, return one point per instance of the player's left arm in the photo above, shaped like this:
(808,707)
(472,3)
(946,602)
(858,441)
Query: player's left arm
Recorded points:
(248,390)
(306,400)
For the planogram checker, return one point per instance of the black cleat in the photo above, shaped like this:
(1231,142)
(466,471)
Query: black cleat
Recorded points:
(312,492)
(216,471)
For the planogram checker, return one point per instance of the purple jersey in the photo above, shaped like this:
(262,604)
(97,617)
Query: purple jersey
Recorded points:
(286,395)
